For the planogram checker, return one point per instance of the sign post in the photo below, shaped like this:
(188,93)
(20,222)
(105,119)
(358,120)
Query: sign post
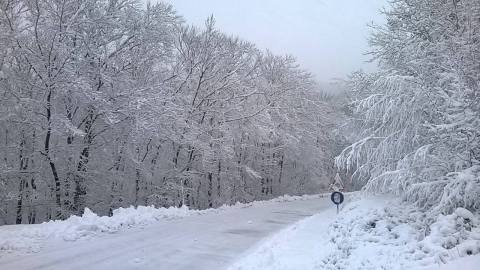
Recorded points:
(337,198)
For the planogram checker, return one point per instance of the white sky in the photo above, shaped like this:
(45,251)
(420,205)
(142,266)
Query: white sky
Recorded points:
(328,37)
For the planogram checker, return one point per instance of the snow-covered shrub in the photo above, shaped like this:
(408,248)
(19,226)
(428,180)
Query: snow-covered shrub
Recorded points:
(398,236)
(462,189)
(455,235)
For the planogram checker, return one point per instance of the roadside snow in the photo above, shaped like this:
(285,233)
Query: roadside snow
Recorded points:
(464,263)
(370,233)
(212,240)
(29,238)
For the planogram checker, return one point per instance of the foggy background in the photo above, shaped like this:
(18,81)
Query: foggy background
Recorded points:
(328,37)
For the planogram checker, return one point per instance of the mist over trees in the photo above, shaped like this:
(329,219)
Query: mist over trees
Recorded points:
(107,104)
(418,117)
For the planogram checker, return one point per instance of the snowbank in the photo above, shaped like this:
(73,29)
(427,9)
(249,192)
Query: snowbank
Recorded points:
(465,263)
(30,238)
(373,233)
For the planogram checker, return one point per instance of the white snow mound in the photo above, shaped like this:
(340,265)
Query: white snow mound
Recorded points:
(370,233)
(30,238)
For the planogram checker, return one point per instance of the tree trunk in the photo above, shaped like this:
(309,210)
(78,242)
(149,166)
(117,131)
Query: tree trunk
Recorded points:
(53,168)
(79,200)
(20,202)
(23,167)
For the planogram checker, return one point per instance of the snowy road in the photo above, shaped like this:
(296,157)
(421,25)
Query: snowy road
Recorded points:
(210,241)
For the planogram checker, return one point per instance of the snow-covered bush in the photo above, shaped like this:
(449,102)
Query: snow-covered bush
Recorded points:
(398,236)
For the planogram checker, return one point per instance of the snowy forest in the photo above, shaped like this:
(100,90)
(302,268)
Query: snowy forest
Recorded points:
(107,104)
(417,119)
(240,135)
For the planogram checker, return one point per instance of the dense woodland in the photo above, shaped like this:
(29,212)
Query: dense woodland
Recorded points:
(107,104)
(418,116)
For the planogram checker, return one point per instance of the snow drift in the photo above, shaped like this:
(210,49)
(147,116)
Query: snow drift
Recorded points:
(373,233)
(30,237)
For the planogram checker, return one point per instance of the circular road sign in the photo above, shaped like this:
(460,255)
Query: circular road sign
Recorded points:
(337,197)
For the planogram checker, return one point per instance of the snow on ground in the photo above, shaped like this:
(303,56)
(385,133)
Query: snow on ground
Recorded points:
(464,263)
(30,237)
(149,238)
(371,233)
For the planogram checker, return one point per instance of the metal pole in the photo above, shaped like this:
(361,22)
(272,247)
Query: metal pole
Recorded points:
(337,209)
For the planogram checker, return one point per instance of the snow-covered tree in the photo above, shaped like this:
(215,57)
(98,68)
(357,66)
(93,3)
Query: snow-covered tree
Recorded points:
(419,114)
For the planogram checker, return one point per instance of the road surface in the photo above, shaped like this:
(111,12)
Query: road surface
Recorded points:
(210,241)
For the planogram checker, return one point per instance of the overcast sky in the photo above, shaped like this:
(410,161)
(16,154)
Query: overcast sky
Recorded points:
(328,37)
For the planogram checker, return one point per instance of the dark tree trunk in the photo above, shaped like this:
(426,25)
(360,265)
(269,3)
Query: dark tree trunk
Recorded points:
(23,167)
(20,202)
(80,192)
(53,168)
(210,188)
(219,179)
